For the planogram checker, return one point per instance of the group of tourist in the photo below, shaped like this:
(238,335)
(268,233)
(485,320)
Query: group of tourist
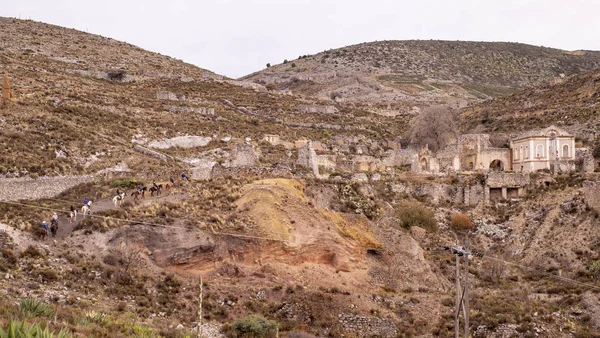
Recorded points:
(87,203)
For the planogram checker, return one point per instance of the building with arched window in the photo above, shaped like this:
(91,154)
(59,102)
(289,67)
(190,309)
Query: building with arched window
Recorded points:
(543,149)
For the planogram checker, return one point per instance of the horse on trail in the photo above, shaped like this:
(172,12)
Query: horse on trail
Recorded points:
(42,233)
(137,193)
(118,200)
(72,216)
(86,209)
(155,189)
(53,227)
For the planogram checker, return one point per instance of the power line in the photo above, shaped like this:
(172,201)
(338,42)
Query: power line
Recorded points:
(487,256)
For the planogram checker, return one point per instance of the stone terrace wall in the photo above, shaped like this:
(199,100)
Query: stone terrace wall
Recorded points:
(14,189)
(499,180)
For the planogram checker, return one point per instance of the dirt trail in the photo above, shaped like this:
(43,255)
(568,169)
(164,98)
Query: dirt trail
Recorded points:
(65,228)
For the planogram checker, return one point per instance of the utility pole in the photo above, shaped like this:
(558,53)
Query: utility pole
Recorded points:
(199,332)
(456,321)
(462,298)
(466,295)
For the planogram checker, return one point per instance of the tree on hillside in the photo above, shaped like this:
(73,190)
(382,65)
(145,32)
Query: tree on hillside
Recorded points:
(435,126)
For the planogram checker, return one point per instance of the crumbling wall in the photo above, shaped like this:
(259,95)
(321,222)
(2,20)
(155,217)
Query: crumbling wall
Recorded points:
(307,157)
(487,156)
(243,155)
(153,153)
(202,171)
(501,179)
(327,161)
(591,193)
(583,156)
(399,158)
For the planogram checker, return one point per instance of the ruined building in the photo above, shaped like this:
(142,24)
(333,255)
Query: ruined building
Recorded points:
(7,93)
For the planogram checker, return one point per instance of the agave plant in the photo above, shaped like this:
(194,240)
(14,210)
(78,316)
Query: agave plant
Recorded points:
(18,329)
(97,317)
(35,308)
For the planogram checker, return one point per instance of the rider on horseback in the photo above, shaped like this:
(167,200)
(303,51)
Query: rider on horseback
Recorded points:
(55,217)
(44,226)
(184,177)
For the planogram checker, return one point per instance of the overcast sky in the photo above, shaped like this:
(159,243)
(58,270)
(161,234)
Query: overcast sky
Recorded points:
(238,37)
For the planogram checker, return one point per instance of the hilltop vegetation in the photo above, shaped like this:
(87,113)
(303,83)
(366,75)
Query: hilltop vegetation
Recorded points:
(406,73)
(572,104)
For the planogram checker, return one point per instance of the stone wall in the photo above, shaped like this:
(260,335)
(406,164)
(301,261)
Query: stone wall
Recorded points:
(307,157)
(153,153)
(469,195)
(252,172)
(195,110)
(591,193)
(243,155)
(399,158)
(318,109)
(202,171)
(327,161)
(491,154)
(14,189)
(584,155)
(501,179)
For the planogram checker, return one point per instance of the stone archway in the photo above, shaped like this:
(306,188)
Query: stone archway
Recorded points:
(424,164)
(497,165)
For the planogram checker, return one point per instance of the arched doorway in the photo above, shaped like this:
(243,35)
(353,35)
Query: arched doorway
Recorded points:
(424,164)
(497,165)
(566,151)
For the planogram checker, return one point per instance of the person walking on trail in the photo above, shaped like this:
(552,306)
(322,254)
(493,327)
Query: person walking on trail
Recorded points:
(184,177)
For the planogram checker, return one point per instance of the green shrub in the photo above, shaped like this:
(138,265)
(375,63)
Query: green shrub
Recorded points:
(35,308)
(23,330)
(411,214)
(254,326)
(126,183)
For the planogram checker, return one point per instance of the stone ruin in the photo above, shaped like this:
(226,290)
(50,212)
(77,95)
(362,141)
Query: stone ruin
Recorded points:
(7,93)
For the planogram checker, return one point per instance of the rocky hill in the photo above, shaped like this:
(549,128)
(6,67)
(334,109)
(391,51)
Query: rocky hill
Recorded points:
(395,75)
(282,236)
(572,104)
(83,101)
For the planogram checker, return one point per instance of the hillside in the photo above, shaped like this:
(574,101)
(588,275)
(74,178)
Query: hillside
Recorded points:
(338,237)
(395,75)
(83,101)
(572,104)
